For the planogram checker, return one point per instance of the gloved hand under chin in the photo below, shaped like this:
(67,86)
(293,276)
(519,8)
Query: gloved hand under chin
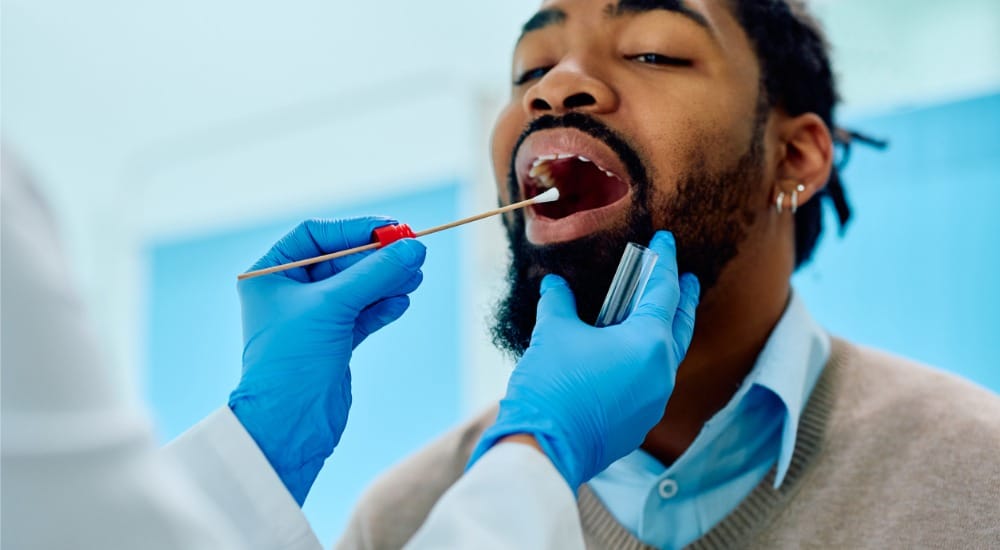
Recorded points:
(590,395)
(299,329)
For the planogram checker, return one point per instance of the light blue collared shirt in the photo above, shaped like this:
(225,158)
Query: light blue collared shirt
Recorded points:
(672,507)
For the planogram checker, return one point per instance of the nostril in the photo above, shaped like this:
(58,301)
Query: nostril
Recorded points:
(579,100)
(540,105)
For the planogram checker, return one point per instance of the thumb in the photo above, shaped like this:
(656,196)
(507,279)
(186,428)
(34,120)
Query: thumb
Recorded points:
(659,301)
(683,328)
(557,300)
(316,237)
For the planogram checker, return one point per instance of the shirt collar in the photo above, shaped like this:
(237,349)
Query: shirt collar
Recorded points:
(789,366)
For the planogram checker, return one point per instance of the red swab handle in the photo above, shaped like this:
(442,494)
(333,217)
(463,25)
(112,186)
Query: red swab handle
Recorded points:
(388,234)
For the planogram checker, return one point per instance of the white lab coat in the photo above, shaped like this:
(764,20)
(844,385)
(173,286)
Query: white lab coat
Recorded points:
(80,468)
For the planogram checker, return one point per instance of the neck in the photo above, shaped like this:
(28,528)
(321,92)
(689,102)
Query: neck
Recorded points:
(733,323)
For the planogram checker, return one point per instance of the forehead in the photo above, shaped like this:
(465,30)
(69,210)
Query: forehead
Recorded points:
(605,5)
(714,16)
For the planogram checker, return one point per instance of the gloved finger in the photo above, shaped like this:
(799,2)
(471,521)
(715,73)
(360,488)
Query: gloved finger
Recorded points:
(378,315)
(659,301)
(378,275)
(317,237)
(556,300)
(402,287)
(684,317)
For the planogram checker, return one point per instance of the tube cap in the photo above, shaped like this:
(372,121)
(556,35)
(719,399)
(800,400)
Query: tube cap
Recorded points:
(388,234)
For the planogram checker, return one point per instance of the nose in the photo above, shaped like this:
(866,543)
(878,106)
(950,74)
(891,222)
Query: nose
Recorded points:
(567,87)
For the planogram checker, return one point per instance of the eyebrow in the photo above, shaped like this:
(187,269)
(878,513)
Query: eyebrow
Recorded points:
(634,7)
(542,19)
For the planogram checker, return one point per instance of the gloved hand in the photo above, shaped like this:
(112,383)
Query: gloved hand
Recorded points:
(590,395)
(299,329)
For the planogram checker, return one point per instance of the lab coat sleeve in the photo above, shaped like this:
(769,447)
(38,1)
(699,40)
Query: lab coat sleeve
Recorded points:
(513,497)
(81,468)
(226,463)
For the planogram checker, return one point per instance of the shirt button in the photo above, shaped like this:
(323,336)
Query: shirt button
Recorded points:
(668,488)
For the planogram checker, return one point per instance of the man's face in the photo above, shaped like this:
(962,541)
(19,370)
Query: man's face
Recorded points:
(646,115)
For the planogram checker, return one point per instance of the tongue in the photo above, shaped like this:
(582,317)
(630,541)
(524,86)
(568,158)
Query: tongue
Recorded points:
(582,186)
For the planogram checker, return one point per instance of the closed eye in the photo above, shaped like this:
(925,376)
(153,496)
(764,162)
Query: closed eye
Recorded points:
(660,59)
(532,74)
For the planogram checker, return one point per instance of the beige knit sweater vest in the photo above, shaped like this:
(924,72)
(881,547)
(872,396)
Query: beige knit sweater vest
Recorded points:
(889,454)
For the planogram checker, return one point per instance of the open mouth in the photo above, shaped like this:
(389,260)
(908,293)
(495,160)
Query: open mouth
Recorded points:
(583,185)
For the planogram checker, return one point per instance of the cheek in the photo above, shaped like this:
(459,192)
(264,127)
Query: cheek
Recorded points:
(695,148)
(695,128)
(508,127)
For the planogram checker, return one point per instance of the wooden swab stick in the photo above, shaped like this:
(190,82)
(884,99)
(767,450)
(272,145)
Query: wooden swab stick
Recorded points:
(551,195)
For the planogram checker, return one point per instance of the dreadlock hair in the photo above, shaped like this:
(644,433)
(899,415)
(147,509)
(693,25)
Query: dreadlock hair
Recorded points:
(796,76)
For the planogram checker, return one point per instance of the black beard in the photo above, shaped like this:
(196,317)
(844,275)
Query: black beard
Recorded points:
(708,218)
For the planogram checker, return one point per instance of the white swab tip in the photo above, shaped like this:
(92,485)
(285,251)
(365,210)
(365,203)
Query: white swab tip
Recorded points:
(552,195)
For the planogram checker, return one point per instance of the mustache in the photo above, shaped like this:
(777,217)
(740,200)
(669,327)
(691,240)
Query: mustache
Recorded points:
(596,129)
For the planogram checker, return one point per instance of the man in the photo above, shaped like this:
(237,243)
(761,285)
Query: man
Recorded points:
(713,119)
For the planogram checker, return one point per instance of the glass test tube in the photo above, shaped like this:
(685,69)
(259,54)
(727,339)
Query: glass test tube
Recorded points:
(628,285)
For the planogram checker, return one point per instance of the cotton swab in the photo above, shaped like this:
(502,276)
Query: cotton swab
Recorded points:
(551,195)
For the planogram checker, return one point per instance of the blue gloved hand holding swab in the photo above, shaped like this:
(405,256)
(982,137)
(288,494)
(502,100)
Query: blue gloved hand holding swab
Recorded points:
(300,327)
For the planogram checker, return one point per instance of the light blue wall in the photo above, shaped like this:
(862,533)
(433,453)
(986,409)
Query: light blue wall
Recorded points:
(918,272)
(406,378)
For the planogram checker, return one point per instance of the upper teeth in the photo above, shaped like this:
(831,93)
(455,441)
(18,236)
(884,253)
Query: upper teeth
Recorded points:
(540,169)
(562,156)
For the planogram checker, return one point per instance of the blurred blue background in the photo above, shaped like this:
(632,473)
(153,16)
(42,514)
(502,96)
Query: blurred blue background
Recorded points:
(177,140)
(916,272)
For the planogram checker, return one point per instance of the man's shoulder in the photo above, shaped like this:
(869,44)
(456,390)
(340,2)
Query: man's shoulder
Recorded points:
(908,459)
(898,423)
(398,502)
(890,387)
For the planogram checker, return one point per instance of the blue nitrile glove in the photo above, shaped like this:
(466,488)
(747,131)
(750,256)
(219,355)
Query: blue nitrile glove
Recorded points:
(590,395)
(299,329)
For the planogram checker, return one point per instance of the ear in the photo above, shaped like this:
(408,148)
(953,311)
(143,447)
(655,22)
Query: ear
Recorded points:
(807,156)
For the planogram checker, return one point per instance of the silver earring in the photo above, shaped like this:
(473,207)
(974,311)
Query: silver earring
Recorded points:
(795,197)
(778,203)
